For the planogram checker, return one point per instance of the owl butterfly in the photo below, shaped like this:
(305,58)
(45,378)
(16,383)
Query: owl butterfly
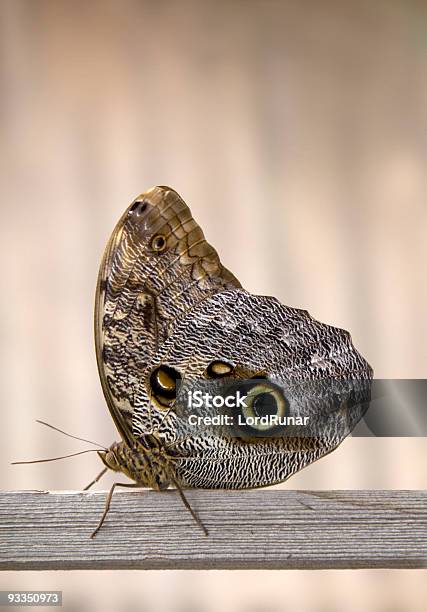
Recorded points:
(170,317)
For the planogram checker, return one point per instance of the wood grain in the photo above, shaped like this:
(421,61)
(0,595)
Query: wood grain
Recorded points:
(268,529)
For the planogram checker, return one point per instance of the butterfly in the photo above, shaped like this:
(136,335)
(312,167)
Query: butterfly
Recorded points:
(172,323)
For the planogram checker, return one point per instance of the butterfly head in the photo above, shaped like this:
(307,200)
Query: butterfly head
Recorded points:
(110,459)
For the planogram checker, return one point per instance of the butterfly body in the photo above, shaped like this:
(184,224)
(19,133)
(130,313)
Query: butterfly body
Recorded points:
(148,468)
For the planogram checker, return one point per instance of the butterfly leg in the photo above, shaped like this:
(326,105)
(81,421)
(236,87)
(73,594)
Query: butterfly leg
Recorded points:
(189,508)
(100,475)
(108,502)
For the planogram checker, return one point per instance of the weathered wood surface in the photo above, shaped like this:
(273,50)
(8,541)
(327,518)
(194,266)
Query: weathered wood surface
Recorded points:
(247,529)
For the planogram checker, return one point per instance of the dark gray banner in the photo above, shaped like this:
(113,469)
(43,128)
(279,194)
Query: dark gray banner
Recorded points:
(327,408)
(398,407)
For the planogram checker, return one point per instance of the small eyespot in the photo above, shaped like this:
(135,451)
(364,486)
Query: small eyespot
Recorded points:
(164,383)
(138,208)
(218,369)
(158,243)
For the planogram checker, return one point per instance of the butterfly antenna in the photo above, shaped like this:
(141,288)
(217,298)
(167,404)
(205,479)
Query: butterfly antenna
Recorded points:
(71,436)
(90,450)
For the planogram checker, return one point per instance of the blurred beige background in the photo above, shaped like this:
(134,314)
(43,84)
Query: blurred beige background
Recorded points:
(296,132)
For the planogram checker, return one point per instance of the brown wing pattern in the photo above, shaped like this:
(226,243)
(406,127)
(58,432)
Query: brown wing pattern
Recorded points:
(156,268)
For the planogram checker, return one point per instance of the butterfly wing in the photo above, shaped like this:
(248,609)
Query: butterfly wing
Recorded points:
(157,267)
(166,304)
(321,374)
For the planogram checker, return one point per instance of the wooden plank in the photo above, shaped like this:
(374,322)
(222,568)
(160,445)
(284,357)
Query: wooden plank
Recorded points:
(247,530)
